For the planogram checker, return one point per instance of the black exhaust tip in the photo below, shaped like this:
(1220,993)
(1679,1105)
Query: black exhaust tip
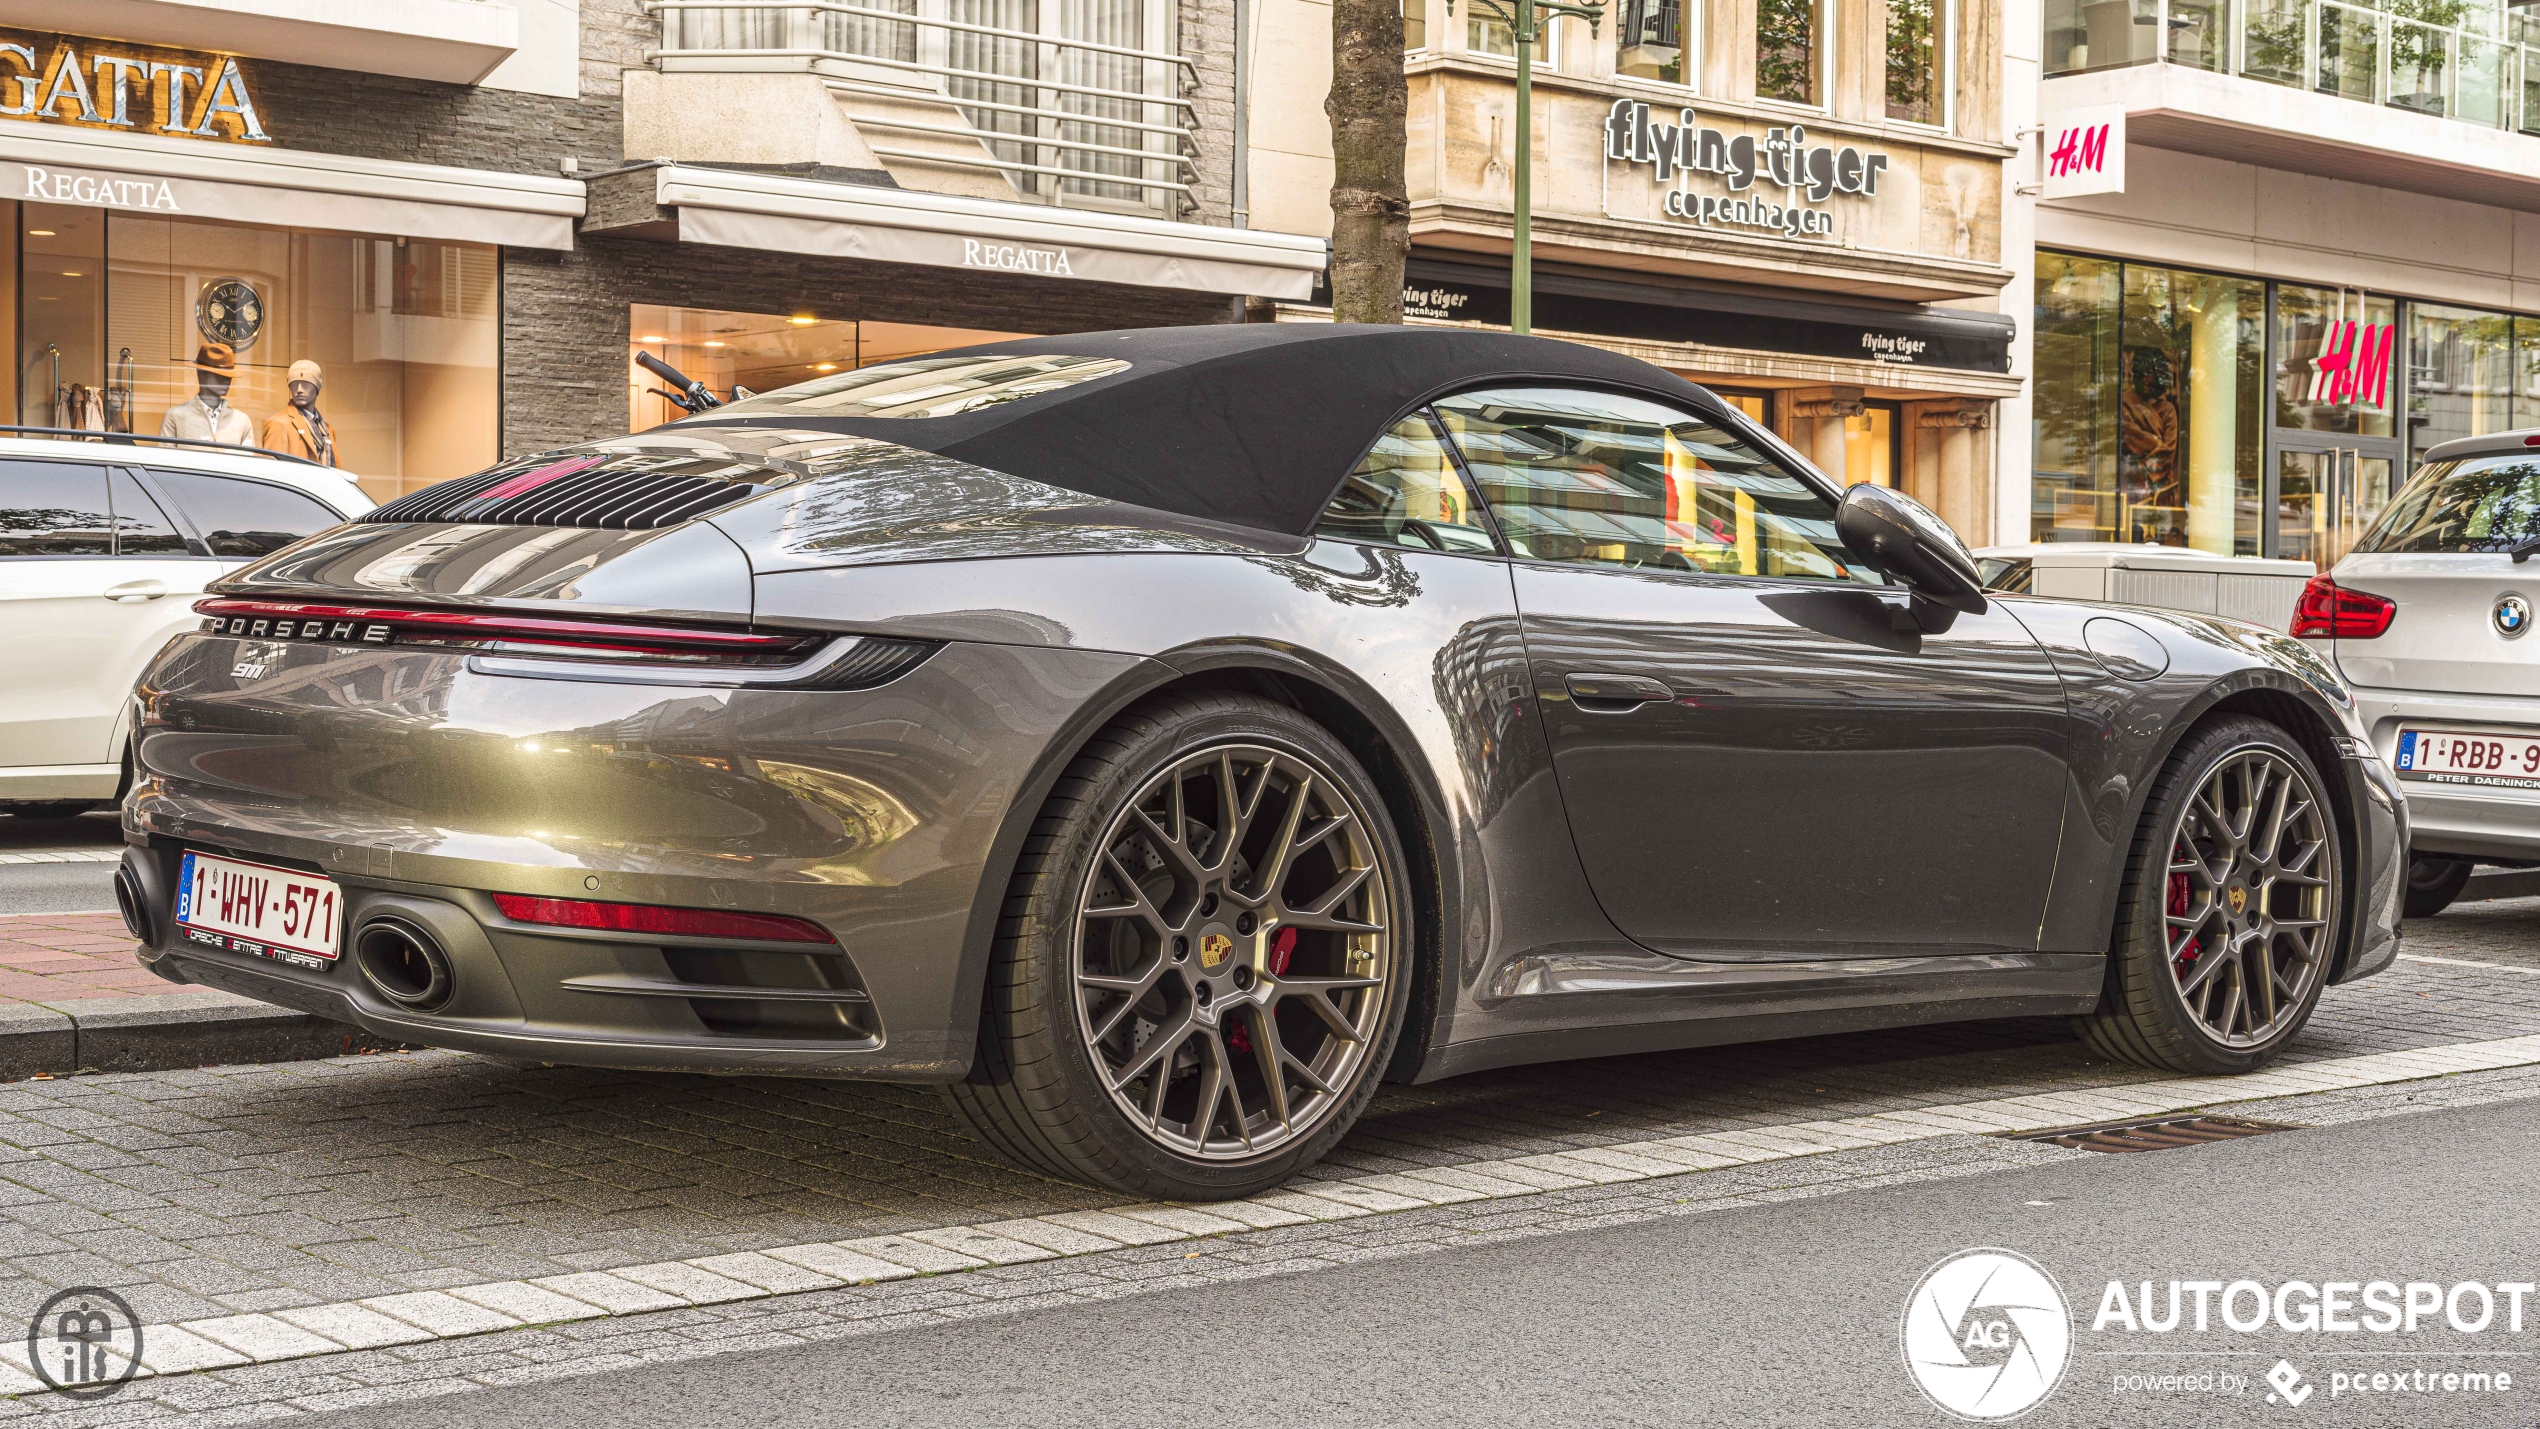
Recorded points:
(403,964)
(128,902)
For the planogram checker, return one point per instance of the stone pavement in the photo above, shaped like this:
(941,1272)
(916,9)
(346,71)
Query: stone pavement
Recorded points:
(47,957)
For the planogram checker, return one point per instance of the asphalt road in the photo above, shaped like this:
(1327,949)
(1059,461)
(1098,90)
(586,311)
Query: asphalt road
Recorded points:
(1783,1315)
(58,887)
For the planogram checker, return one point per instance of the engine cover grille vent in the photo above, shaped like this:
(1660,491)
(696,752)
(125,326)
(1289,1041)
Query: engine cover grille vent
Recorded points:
(634,491)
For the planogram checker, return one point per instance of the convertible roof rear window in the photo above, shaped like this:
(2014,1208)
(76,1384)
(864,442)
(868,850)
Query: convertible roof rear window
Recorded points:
(928,386)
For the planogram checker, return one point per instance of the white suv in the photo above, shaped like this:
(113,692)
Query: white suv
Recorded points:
(2429,619)
(104,544)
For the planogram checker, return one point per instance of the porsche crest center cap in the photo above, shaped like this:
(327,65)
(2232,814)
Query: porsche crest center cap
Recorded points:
(1214,949)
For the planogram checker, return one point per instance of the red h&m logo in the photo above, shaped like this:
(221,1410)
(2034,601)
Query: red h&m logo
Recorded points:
(2354,363)
(2082,149)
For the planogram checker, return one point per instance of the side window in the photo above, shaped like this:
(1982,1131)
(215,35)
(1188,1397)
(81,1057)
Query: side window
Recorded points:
(1408,493)
(54,508)
(141,528)
(245,518)
(1574,475)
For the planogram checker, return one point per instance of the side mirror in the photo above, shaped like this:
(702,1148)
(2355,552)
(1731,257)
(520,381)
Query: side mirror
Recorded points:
(1902,537)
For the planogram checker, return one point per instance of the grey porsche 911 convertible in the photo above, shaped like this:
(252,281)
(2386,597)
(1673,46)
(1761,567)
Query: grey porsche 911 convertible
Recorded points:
(1156,738)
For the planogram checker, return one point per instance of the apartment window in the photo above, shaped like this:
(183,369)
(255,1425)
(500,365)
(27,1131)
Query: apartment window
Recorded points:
(1790,50)
(1918,61)
(1649,40)
(1415,24)
(1484,36)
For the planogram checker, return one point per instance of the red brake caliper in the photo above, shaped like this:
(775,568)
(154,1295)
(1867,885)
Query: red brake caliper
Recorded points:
(2178,909)
(1282,948)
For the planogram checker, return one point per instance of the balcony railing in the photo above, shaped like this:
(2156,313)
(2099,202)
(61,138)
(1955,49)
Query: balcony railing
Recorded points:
(2478,69)
(1060,95)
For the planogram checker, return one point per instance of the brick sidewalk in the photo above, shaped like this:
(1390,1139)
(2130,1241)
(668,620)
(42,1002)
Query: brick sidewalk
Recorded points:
(51,957)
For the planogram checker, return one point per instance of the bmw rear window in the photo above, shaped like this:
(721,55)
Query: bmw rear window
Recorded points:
(2485,503)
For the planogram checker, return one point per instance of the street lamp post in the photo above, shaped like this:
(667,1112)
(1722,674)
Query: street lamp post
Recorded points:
(1526,20)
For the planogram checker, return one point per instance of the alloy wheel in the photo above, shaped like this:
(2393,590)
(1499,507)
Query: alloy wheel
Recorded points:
(2250,904)
(1233,952)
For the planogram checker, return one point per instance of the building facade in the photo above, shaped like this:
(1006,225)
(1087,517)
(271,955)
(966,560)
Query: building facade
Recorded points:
(1798,203)
(2324,259)
(471,216)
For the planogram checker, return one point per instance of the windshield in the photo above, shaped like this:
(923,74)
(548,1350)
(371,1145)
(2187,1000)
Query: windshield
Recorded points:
(926,387)
(2484,503)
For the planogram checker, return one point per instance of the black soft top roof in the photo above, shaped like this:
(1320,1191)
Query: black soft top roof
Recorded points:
(1250,423)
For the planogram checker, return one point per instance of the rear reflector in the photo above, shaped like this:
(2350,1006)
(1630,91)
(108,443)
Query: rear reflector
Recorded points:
(2329,609)
(503,632)
(646,918)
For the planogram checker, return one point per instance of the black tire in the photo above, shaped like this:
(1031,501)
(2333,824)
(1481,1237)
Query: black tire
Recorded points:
(1041,1090)
(2144,1017)
(2434,881)
(47,808)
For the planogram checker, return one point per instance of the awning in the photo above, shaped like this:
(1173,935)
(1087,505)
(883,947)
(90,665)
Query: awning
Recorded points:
(739,208)
(291,188)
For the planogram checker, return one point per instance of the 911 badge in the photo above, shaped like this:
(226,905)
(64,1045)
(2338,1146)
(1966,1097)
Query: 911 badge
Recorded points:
(2512,615)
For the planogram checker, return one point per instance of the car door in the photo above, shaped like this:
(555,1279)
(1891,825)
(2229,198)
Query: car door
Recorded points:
(78,619)
(1757,762)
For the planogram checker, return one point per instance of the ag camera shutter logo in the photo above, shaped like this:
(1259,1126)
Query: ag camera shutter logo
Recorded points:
(1987,1335)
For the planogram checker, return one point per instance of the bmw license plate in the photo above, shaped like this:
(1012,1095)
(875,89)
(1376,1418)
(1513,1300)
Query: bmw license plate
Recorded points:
(255,908)
(2484,758)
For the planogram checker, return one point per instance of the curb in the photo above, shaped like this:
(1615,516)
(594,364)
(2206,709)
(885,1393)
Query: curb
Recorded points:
(2501,883)
(165,1031)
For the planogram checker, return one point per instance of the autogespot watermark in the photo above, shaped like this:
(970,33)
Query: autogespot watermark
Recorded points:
(85,1343)
(1988,1335)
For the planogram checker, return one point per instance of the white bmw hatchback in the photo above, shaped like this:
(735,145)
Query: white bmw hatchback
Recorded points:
(104,546)
(2429,619)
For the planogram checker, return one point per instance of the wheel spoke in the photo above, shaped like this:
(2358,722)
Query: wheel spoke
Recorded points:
(1166,1042)
(1213,1082)
(1172,848)
(1274,868)
(1340,1026)
(2207,967)
(1271,1054)
(1139,906)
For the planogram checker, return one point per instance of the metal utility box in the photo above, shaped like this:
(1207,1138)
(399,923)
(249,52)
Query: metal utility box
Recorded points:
(2175,578)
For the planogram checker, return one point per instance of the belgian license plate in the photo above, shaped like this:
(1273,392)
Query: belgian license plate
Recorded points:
(2472,757)
(255,908)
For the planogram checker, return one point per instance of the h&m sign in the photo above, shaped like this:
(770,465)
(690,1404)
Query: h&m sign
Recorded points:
(1810,173)
(63,79)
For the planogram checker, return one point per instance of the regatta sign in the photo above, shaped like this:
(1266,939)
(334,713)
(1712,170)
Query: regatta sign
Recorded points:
(1808,174)
(53,80)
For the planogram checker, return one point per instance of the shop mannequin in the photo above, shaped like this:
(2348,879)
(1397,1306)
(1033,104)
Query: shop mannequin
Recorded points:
(209,417)
(300,429)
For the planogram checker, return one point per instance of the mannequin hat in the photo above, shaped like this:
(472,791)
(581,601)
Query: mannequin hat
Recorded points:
(305,371)
(216,357)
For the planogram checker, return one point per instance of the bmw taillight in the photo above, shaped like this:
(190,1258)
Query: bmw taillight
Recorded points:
(2329,609)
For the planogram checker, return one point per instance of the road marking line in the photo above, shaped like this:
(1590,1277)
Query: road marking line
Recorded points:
(785,1270)
(2466,963)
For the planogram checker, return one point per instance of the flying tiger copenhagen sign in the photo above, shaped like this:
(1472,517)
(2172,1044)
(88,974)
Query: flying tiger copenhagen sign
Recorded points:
(95,84)
(1809,175)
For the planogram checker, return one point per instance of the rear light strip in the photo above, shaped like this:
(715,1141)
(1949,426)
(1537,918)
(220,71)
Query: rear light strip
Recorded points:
(648,918)
(2330,610)
(500,632)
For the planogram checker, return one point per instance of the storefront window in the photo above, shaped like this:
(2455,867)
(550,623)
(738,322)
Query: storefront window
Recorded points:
(1790,50)
(762,352)
(1869,445)
(1649,40)
(2159,440)
(2460,374)
(399,337)
(2333,369)
(2073,491)
(1917,68)
(2189,413)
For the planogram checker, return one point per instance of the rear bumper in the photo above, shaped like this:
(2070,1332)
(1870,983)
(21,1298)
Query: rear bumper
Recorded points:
(422,787)
(2449,818)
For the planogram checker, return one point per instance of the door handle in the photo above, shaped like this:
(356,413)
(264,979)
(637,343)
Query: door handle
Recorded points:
(1599,693)
(130,591)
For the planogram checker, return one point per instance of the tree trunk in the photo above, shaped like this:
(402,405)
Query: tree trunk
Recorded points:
(1371,211)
